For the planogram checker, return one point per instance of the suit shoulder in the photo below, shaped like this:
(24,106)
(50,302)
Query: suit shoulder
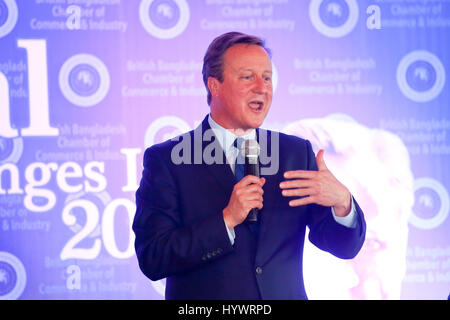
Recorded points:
(289,140)
(294,139)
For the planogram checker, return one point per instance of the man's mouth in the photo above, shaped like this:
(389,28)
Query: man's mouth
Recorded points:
(256,105)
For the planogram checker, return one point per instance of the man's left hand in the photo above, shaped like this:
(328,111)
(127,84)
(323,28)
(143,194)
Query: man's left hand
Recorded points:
(320,187)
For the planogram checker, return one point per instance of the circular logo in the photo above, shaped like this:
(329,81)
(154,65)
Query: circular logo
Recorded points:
(179,125)
(164,19)
(334,18)
(8,16)
(420,76)
(431,206)
(12,277)
(84,80)
(10,149)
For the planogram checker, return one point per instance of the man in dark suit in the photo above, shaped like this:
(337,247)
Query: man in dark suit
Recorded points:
(190,223)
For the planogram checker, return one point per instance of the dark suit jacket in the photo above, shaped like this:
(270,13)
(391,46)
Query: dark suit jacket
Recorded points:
(181,234)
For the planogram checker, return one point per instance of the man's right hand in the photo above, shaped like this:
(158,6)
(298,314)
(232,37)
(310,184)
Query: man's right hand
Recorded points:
(247,194)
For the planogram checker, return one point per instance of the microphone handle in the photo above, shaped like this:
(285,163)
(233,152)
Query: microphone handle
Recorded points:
(252,167)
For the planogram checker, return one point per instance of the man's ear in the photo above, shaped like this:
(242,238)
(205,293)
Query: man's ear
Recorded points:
(214,86)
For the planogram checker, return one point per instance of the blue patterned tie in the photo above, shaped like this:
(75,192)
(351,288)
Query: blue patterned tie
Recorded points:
(239,164)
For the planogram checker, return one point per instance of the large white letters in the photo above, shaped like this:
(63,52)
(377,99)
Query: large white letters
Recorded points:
(38,94)
(5,124)
(38,89)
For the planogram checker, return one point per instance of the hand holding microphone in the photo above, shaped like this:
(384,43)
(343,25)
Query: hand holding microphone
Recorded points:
(247,195)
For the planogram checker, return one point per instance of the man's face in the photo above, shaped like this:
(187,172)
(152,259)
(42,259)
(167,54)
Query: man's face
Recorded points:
(243,99)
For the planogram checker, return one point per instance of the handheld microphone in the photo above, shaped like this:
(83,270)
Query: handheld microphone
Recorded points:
(250,150)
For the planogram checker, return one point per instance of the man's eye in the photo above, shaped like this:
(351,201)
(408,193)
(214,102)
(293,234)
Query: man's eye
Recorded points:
(268,79)
(246,77)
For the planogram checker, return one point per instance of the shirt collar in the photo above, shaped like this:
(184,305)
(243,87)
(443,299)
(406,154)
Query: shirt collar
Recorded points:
(226,137)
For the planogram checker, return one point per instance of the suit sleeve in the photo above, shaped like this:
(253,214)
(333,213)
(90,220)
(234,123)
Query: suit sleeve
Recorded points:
(164,245)
(327,234)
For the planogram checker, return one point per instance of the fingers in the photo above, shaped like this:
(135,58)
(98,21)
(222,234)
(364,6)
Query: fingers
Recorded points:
(320,161)
(250,191)
(298,192)
(308,174)
(257,204)
(250,183)
(249,179)
(302,201)
(300,174)
(296,184)
(247,194)
(304,188)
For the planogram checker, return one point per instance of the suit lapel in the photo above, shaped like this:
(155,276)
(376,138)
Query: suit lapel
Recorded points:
(210,147)
(271,187)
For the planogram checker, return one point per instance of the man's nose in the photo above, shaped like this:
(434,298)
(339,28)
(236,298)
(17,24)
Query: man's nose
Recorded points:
(260,85)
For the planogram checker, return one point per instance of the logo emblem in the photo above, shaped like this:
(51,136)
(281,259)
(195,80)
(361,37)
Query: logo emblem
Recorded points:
(84,80)
(420,76)
(431,206)
(8,16)
(334,18)
(12,277)
(164,19)
(176,125)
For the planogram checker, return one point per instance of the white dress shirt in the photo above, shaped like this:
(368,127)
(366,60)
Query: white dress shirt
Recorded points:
(226,139)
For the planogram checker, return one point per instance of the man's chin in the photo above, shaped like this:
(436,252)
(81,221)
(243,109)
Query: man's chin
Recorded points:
(249,124)
(257,123)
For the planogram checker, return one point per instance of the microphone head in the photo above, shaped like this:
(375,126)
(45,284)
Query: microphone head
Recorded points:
(250,148)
